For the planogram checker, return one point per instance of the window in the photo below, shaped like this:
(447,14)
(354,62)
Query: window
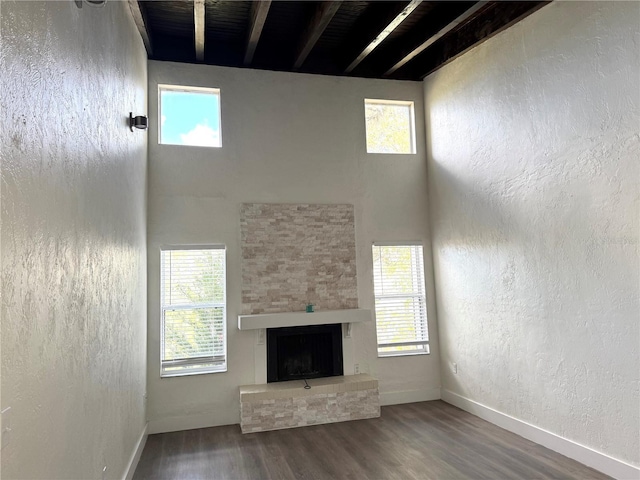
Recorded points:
(390,126)
(401,308)
(189,116)
(193,301)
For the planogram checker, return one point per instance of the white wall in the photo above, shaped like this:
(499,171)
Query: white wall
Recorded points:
(287,138)
(73,238)
(533,177)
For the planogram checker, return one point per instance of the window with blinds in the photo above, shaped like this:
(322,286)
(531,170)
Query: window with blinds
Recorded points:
(193,283)
(400,298)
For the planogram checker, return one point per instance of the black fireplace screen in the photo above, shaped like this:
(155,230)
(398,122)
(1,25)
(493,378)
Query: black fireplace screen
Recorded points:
(304,352)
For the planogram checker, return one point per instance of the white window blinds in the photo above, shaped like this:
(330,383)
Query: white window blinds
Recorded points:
(400,299)
(193,311)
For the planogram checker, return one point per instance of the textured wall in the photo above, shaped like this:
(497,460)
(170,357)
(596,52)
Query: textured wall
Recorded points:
(293,255)
(73,238)
(287,138)
(533,176)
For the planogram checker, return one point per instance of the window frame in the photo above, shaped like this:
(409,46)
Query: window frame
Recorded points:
(188,89)
(425,350)
(220,361)
(412,124)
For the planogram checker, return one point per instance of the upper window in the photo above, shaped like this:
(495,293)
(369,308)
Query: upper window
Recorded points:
(193,300)
(390,126)
(189,116)
(401,306)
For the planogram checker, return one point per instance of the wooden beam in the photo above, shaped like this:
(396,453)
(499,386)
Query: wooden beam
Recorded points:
(321,18)
(504,15)
(138,19)
(198,22)
(259,11)
(437,36)
(386,31)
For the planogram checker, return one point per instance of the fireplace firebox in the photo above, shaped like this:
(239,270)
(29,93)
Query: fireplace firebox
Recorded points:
(295,353)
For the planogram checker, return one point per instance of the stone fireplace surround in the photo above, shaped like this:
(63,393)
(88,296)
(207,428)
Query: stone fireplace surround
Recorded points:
(273,406)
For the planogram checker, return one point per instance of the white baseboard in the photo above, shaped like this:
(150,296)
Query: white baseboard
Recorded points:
(409,396)
(135,456)
(189,422)
(585,455)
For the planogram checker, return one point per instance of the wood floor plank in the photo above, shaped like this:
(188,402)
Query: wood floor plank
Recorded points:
(421,441)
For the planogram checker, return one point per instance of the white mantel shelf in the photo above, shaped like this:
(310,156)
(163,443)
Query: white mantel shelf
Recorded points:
(296,319)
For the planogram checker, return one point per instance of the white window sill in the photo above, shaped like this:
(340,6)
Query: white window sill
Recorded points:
(401,354)
(189,374)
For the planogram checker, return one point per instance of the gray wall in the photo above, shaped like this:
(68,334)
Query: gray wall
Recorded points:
(533,177)
(73,239)
(286,138)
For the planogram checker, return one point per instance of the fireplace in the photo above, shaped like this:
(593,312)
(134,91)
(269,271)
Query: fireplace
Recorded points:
(295,353)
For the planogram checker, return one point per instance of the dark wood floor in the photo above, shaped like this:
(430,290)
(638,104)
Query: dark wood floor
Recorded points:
(428,440)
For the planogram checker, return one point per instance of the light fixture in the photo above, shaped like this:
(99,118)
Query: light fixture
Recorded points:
(138,122)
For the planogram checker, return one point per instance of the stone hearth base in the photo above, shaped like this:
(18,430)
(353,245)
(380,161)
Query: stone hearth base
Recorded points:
(275,406)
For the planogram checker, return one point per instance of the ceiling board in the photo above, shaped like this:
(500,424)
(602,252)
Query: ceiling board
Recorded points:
(343,36)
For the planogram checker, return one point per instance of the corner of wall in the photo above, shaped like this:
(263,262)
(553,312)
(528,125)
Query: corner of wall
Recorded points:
(130,470)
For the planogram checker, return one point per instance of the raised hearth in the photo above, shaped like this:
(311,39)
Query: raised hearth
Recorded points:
(280,405)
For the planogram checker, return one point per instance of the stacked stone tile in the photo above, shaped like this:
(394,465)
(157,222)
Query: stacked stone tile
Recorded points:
(295,254)
(289,404)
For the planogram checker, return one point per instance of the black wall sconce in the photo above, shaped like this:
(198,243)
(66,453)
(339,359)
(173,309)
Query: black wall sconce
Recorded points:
(138,122)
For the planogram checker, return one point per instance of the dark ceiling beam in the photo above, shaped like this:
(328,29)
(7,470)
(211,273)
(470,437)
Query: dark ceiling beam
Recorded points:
(386,31)
(259,11)
(321,18)
(502,16)
(437,36)
(198,23)
(138,18)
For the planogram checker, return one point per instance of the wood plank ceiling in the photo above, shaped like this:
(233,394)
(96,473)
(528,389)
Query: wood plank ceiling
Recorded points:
(376,39)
